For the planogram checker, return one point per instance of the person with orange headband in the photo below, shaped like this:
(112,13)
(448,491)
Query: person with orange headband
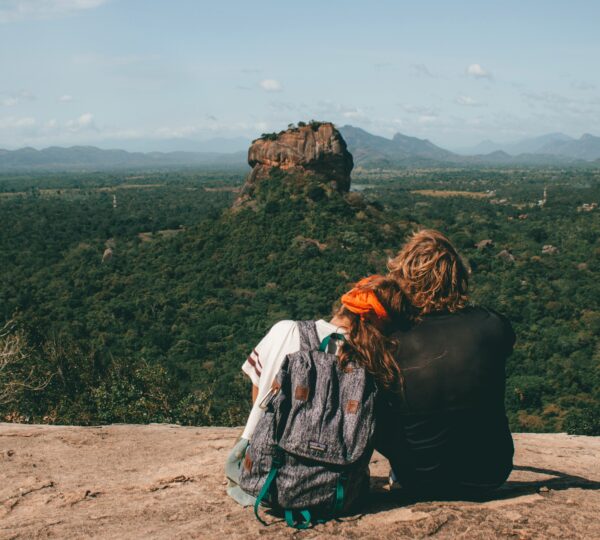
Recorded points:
(364,316)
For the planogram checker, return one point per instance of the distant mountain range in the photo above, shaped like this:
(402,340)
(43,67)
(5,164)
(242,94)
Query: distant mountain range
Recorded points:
(587,147)
(219,145)
(90,158)
(553,149)
(534,145)
(369,151)
(373,150)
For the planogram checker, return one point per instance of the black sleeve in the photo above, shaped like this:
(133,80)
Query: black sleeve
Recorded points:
(384,426)
(507,336)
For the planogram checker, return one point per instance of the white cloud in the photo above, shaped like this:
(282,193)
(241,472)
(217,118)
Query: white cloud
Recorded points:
(85,119)
(467,101)
(12,99)
(271,85)
(16,132)
(179,132)
(477,71)
(353,114)
(83,122)
(427,119)
(65,98)
(420,110)
(17,123)
(209,127)
(334,111)
(16,10)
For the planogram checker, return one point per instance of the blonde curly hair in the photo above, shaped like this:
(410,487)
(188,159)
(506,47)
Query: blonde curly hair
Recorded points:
(431,273)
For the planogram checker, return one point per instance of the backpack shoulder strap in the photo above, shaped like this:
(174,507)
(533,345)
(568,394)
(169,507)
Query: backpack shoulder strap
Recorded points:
(309,338)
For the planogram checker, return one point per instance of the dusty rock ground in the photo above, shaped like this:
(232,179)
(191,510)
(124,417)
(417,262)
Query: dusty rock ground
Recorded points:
(163,481)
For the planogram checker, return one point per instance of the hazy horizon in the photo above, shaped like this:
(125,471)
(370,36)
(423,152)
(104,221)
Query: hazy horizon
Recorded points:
(143,76)
(232,145)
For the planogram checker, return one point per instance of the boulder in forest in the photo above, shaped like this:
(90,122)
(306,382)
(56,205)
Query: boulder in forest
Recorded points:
(488,242)
(549,250)
(587,207)
(506,256)
(316,150)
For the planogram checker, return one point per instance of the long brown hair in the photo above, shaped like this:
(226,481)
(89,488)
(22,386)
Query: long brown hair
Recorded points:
(367,340)
(431,273)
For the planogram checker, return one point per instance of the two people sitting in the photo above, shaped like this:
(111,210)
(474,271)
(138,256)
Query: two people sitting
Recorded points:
(438,368)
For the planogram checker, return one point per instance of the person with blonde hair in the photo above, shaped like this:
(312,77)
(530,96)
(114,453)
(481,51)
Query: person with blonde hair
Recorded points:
(444,429)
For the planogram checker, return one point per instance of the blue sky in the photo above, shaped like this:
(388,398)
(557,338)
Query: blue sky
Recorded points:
(117,72)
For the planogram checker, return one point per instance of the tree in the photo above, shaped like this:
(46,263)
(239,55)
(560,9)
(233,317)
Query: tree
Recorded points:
(15,374)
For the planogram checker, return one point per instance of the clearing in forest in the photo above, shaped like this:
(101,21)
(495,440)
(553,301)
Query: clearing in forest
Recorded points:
(440,193)
(66,191)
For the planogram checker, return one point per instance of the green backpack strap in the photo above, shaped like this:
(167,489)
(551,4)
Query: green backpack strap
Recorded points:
(277,462)
(337,508)
(289,514)
(289,519)
(325,343)
(339,494)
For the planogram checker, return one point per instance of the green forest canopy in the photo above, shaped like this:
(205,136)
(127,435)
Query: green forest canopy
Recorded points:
(158,331)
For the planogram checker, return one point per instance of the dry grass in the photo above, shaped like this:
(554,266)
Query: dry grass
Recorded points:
(231,189)
(67,191)
(445,194)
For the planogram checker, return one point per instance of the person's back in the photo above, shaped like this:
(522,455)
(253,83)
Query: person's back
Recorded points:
(444,425)
(299,380)
(446,431)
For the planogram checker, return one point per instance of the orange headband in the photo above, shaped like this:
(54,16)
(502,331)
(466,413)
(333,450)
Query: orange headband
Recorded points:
(362,301)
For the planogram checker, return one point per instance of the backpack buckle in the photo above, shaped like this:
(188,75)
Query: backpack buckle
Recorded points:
(264,402)
(277,456)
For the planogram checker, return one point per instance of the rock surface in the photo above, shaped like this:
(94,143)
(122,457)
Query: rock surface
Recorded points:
(506,256)
(488,242)
(164,481)
(316,149)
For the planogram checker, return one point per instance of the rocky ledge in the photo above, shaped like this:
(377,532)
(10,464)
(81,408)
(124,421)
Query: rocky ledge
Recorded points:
(317,150)
(164,481)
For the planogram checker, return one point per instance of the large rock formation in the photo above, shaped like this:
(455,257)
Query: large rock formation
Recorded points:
(316,150)
(164,481)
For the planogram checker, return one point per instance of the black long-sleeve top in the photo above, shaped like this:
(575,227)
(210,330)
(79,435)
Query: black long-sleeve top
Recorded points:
(447,430)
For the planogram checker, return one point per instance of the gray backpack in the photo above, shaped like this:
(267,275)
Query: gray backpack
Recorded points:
(310,452)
